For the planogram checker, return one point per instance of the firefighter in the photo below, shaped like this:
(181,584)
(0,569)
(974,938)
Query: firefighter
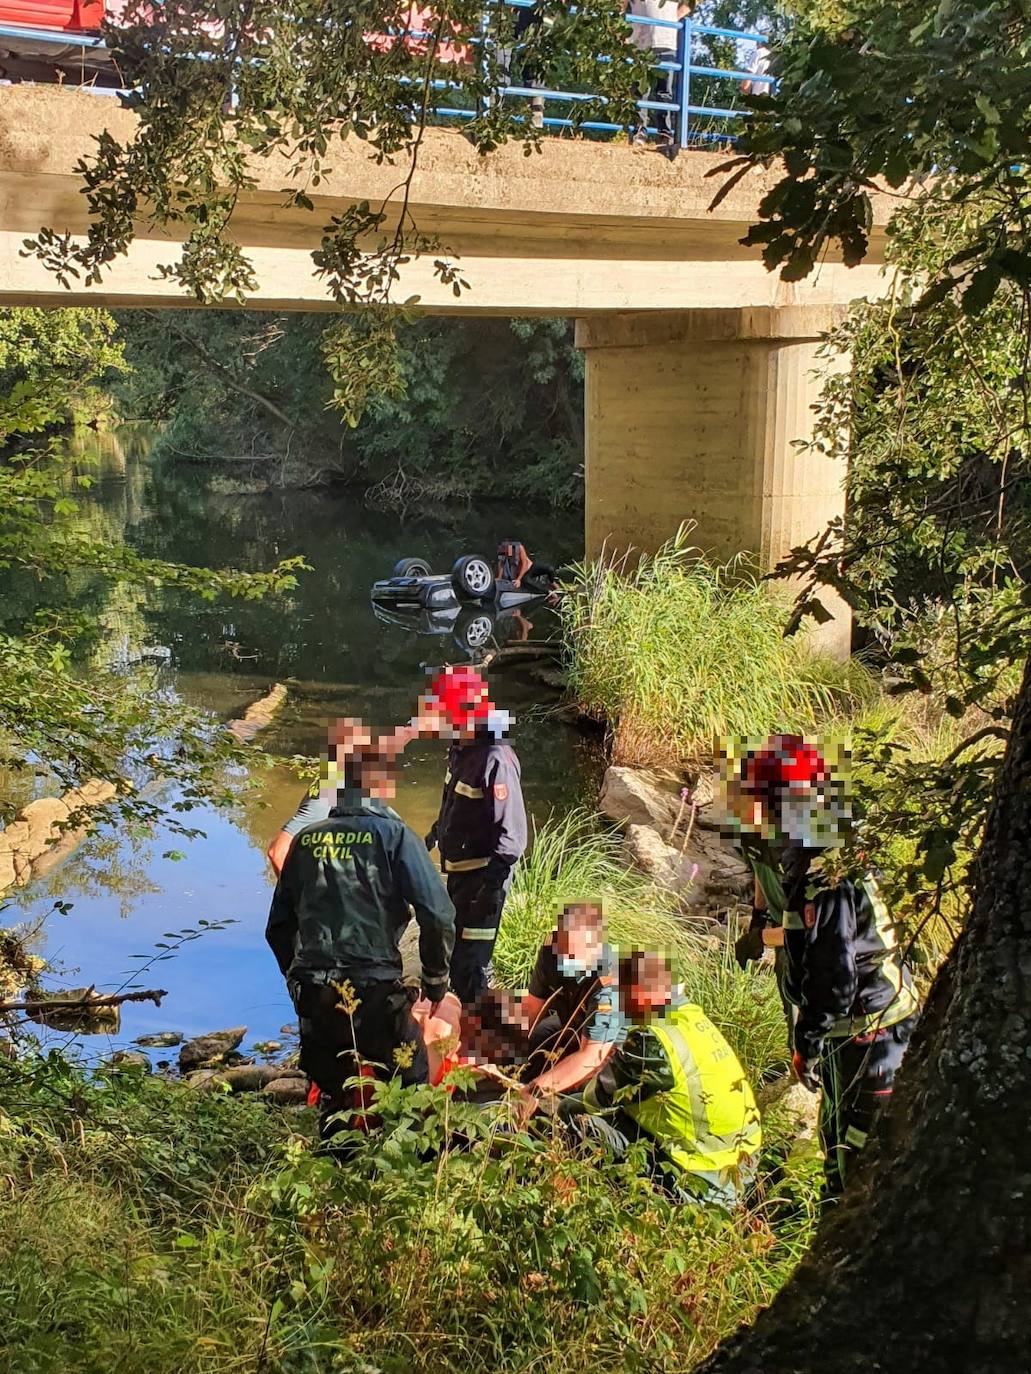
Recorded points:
(675,1085)
(480,830)
(841,967)
(344,898)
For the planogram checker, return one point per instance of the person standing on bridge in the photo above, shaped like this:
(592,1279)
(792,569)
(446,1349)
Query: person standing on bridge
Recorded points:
(659,40)
(481,827)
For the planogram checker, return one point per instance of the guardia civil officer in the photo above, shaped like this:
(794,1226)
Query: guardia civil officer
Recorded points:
(481,827)
(344,898)
(841,967)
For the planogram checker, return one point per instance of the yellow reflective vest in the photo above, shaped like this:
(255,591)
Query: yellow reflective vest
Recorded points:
(709,1121)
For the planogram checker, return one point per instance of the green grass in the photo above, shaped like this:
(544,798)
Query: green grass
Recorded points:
(677,652)
(147,1228)
(570,859)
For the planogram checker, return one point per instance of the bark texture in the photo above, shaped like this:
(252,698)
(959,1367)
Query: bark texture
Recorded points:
(926,1264)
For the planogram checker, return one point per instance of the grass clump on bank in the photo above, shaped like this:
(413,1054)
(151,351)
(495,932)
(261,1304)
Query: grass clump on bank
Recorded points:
(571,860)
(677,652)
(149,1227)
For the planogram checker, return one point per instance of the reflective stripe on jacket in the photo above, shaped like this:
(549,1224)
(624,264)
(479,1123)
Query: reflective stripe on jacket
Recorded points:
(845,971)
(707,1121)
(482,816)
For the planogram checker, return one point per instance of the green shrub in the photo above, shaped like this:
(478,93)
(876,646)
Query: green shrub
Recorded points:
(571,860)
(146,1227)
(677,652)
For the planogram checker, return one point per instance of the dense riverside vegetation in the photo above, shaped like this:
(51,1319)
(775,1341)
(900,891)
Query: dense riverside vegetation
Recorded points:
(471,408)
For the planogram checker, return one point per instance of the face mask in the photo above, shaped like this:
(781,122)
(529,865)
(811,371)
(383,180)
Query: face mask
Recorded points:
(572,968)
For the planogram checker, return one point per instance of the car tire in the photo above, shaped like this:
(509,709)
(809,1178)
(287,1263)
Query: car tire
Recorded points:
(472,578)
(474,630)
(411,567)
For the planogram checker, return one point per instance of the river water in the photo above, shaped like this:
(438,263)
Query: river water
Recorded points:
(337,658)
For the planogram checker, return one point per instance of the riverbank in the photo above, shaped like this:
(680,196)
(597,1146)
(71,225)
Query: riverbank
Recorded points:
(149,1225)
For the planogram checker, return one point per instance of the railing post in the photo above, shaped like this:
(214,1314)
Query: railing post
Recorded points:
(684,44)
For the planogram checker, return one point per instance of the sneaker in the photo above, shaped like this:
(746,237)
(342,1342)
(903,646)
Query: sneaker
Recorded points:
(666,145)
(641,139)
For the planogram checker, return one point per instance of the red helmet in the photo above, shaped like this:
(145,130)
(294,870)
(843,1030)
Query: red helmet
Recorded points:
(783,761)
(461,695)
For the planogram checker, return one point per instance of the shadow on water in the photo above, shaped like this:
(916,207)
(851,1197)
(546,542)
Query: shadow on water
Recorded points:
(323,637)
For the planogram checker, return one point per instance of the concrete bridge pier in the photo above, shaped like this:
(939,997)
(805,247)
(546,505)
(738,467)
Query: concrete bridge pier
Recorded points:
(694,415)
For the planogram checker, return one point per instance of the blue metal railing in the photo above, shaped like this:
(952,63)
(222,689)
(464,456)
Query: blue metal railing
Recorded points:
(690,122)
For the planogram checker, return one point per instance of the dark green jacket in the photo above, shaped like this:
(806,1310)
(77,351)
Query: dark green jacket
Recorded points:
(345,895)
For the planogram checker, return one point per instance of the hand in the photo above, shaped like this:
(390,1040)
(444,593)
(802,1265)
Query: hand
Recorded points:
(430,840)
(807,1071)
(749,947)
(525,1107)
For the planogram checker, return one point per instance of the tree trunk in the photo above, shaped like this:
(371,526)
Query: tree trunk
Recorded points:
(925,1265)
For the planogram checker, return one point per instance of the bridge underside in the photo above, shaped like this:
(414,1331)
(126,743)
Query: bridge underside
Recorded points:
(699,361)
(578,229)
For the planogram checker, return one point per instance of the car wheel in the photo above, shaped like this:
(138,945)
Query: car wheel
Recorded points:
(411,567)
(472,578)
(474,630)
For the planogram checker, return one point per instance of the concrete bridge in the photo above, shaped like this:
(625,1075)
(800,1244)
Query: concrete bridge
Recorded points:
(698,359)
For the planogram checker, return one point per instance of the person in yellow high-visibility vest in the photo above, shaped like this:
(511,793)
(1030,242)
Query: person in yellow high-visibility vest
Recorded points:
(676,1085)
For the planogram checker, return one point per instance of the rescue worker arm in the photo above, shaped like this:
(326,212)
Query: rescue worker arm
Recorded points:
(829,980)
(281,930)
(637,1070)
(422,889)
(509,816)
(313,807)
(573,1071)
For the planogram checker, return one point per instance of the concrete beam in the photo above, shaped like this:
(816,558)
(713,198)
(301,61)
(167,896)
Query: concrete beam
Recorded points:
(581,227)
(698,417)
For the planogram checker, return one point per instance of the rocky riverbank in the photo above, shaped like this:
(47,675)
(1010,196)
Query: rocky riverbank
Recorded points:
(672,833)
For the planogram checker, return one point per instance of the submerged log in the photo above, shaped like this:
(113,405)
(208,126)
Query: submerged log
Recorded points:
(40,836)
(78,1008)
(257,716)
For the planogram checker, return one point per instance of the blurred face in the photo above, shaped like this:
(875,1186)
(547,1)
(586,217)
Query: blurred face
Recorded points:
(578,943)
(378,780)
(647,995)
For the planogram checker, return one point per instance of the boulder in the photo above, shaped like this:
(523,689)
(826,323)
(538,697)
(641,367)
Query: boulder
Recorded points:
(708,875)
(160,1040)
(663,862)
(207,1051)
(129,1059)
(638,798)
(287,1092)
(790,1099)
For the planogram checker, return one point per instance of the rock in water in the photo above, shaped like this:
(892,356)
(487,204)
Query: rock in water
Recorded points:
(129,1059)
(208,1051)
(639,798)
(160,1040)
(287,1092)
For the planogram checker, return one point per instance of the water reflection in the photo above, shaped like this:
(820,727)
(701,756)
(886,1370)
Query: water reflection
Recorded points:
(324,640)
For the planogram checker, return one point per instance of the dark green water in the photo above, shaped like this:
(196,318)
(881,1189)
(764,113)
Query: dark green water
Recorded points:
(338,658)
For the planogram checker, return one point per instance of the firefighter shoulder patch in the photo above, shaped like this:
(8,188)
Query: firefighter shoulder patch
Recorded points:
(501,791)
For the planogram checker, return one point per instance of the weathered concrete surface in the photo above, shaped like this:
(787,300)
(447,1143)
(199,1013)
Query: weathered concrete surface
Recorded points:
(581,227)
(697,416)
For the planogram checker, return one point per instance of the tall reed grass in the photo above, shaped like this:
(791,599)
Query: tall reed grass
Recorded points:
(570,859)
(676,652)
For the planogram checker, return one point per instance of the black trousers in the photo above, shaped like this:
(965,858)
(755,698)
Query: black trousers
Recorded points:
(478,903)
(858,1078)
(664,88)
(379,1035)
(524,73)
(553,1038)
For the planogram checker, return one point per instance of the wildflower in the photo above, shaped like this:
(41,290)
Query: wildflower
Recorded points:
(404,1055)
(349,999)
